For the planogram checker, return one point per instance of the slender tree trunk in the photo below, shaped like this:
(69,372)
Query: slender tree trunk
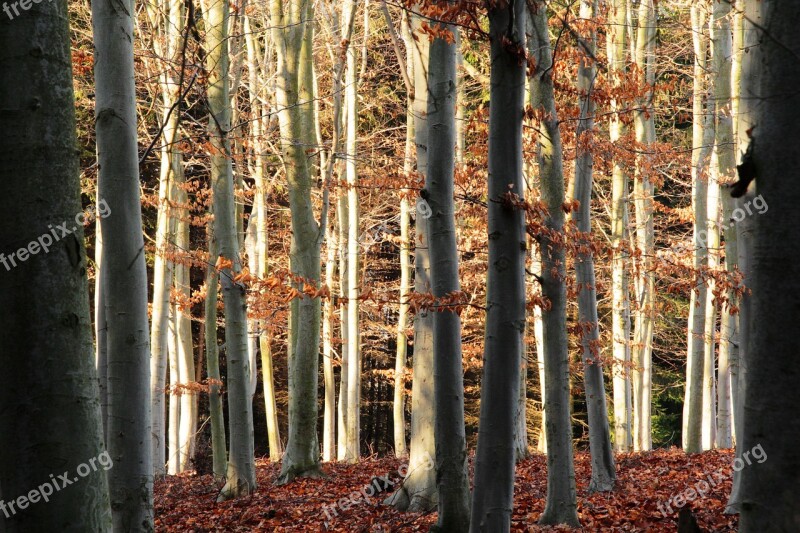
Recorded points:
(290,34)
(602,455)
(693,401)
(620,323)
(721,42)
(50,416)
(329,421)
(709,337)
(419,492)
(174,410)
(448,374)
(770,486)
(644,120)
(101,330)
(492,500)
(125,275)
(219,447)
(561,506)
(240,477)
(352,428)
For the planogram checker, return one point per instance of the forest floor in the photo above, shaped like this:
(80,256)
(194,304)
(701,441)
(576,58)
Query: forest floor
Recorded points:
(647,483)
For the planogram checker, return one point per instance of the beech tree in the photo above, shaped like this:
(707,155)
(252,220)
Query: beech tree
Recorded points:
(561,506)
(50,415)
(492,499)
(770,488)
(240,477)
(124,272)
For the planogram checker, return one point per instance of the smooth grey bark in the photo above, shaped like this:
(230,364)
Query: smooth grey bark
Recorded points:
(703,121)
(770,488)
(561,506)
(100,329)
(643,192)
(448,374)
(50,416)
(620,307)
(419,492)
(493,495)
(241,476)
(219,447)
(125,275)
(290,35)
(602,454)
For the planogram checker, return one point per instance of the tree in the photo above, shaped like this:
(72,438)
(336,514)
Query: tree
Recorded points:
(419,491)
(603,471)
(492,499)
(702,141)
(561,506)
(124,270)
(50,415)
(240,477)
(770,488)
(643,189)
(620,306)
(289,33)
(451,442)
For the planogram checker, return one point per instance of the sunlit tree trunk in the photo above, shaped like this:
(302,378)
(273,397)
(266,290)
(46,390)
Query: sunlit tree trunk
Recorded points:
(721,42)
(101,329)
(419,493)
(770,487)
(602,455)
(448,374)
(620,322)
(170,31)
(290,29)
(709,337)
(241,462)
(492,500)
(125,275)
(561,505)
(644,122)
(50,415)
(702,133)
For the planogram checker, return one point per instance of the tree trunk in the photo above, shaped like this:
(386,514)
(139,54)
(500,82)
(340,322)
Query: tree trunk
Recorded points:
(620,322)
(290,34)
(561,506)
(602,455)
(241,479)
(644,119)
(770,484)
(125,275)
(50,417)
(448,373)
(492,500)
(419,491)
(693,400)
(219,447)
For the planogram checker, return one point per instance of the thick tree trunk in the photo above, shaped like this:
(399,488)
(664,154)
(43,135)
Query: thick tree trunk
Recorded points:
(602,455)
(125,275)
(492,500)
(50,419)
(770,487)
(561,506)
(241,479)
(448,373)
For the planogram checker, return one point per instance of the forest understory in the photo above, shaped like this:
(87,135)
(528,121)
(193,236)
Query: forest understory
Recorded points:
(645,481)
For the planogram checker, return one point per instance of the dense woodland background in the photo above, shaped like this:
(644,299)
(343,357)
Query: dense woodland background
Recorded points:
(347,206)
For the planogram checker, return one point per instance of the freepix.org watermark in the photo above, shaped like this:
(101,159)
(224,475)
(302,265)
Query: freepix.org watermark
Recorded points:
(702,487)
(375,487)
(56,483)
(56,233)
(755,206)
(24,5)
